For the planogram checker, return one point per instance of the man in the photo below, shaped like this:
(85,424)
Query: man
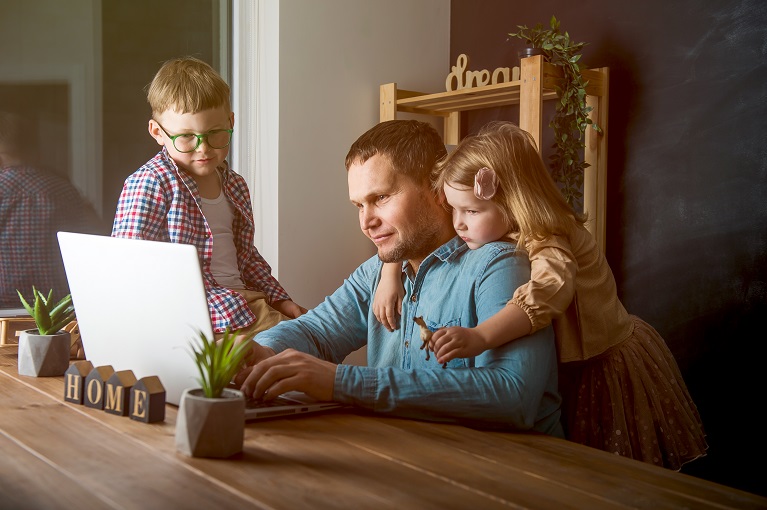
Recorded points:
(512,387)
(34,205)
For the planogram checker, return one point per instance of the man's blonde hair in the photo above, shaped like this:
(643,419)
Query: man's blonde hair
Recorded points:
(187,85)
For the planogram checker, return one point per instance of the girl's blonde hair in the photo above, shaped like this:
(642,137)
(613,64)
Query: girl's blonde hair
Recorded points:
(531,202)
(187,85)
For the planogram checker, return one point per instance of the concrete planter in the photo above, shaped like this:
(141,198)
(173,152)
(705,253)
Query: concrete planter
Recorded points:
(210,427)
(43,355)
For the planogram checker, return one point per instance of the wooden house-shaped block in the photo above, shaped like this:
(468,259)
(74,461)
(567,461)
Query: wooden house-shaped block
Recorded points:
(94,386)
(74,381)
(147,400)
(117,392)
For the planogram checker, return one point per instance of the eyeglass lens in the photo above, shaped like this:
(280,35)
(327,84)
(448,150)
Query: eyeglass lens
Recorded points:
(217,139)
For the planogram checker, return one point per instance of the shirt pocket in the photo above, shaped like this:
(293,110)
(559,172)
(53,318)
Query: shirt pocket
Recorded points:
(434,326)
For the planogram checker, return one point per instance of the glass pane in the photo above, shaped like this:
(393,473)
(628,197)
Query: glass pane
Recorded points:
(73,89)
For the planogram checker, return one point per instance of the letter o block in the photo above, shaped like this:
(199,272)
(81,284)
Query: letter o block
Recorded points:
(94,386)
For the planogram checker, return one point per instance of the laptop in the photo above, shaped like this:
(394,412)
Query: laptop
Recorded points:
(139,305)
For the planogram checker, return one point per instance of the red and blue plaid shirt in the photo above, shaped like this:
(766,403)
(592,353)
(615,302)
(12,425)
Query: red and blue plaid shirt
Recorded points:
(159,202)
(34,205)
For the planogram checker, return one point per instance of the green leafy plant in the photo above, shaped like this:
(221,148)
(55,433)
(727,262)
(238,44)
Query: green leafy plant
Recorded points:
(49,316)
(218,362)
(572,114)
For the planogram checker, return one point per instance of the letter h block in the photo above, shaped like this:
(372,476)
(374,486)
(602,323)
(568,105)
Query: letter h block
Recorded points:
(94,386)
(147,400)
(117,392)
(74,381)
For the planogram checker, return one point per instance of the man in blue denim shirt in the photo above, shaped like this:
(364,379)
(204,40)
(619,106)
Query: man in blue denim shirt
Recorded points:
(511,387)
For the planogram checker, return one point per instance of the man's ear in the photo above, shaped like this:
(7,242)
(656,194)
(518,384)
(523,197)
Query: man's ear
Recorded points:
(155,132)
(439,196)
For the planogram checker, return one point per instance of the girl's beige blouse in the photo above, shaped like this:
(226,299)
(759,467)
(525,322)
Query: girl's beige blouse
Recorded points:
(572,286)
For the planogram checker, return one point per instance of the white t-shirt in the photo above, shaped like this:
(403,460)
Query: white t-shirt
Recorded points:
(223,265)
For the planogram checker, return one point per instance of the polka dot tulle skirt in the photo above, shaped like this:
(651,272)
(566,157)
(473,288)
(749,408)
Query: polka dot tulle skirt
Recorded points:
(632,401)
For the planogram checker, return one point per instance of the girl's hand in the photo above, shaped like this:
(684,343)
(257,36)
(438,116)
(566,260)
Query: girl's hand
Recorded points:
(387,302)
(456,342)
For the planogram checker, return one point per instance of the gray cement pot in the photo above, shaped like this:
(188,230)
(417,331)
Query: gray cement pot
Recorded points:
(43,355)
(210,427)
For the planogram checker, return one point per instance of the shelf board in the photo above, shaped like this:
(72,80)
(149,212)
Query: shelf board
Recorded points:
(476,98)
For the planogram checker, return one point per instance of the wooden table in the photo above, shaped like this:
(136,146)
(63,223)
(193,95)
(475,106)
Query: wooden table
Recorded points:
(54,454)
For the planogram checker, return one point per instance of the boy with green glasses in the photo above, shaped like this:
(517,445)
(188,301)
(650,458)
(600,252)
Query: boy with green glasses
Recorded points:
(188,194)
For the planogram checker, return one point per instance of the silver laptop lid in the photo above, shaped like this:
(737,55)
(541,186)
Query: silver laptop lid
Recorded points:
(139,304)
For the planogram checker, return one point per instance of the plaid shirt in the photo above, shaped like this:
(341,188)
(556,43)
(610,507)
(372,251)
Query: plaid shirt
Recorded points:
(34,205)
(159,202)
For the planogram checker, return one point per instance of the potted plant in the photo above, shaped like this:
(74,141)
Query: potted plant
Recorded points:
(572,114)
(211,418)
(45,351)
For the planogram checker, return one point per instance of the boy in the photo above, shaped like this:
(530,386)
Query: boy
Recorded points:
(188,194)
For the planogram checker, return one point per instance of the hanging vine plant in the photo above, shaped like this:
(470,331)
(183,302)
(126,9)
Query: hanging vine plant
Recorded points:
(572,114)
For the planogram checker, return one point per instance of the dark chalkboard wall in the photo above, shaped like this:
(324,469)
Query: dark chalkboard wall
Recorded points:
(687,186)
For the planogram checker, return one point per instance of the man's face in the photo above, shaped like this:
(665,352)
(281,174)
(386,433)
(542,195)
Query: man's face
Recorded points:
(398,215)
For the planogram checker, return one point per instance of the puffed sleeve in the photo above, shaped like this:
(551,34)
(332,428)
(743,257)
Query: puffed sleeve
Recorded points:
(552,281)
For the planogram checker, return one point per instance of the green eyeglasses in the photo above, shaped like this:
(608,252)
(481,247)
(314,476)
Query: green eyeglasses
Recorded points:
(188,142)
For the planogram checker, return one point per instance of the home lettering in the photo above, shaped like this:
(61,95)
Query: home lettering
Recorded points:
(115,392)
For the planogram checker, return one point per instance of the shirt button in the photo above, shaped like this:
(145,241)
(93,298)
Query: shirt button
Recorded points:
(407,344)
(414,298)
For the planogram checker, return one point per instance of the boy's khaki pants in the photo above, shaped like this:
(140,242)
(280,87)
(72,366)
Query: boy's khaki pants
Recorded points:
(266,316)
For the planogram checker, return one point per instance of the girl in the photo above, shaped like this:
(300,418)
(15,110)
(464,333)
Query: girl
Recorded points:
(622,389)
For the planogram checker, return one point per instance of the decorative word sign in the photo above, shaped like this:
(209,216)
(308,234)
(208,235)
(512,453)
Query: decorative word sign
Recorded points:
(115,392)
(463,79)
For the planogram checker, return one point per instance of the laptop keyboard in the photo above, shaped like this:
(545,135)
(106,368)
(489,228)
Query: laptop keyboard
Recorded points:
(253,403)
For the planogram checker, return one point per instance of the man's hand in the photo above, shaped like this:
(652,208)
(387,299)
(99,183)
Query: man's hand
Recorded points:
(289,370)
(288,308)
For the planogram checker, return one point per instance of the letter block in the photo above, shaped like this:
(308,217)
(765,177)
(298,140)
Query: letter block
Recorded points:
(117,392)
(94,386)
(74,381)
(147,400)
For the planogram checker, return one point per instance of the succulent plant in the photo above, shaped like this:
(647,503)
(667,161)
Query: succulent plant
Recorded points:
(218,361)
(50,317)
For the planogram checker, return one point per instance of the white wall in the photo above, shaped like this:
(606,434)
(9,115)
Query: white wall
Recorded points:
(334,55)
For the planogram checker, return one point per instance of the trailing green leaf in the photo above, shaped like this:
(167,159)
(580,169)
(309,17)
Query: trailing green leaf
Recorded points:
(572,113)
(218,362)
(49,317)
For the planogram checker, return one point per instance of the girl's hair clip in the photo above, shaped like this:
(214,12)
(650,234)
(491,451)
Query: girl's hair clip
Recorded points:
(485,183)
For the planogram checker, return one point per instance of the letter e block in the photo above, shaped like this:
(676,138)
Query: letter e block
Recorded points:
(74,381)
(147,400)
(117,392)
(94,386)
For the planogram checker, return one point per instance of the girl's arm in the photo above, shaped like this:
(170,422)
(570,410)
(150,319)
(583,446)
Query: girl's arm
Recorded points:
(387,302)
(548,293)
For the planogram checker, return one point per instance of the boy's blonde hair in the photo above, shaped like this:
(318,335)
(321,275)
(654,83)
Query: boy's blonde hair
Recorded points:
(531,202)
(187,85)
